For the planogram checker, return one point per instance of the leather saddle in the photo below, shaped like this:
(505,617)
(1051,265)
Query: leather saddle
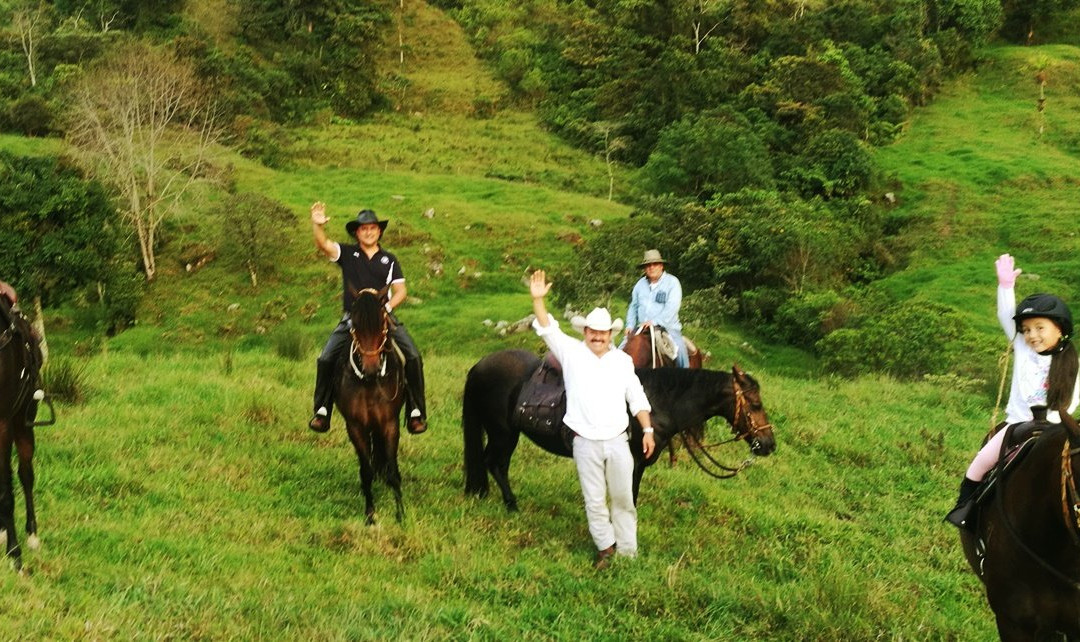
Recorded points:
(541,404)
(1018,441)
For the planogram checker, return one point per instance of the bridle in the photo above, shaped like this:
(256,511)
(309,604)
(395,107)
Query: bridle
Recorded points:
(743,425)
(357,346)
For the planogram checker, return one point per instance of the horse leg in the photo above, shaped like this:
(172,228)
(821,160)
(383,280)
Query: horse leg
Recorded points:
(10,538)
(24,445)
(392,473)
(498,452)
(367,471)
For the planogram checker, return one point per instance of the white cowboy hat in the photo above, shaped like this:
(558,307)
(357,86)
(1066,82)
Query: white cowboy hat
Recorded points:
(599,319)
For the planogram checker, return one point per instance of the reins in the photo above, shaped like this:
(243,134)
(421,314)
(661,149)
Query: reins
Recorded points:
(744,428)
(1004,361)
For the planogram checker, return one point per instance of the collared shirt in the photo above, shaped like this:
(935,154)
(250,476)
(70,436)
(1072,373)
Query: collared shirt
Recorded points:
(1031,370)
(598,389)
(657,302)
(358,272)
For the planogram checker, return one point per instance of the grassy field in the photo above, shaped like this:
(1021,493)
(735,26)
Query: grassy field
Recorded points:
(185,498)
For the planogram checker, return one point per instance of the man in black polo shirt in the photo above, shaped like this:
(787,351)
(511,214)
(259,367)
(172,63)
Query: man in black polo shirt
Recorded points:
(365,265)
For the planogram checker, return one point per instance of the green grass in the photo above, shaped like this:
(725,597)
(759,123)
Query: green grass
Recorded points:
(185,498)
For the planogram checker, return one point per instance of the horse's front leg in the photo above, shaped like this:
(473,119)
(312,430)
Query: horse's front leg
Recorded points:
(24,444)
(391,431)
(367,471)
(8,536)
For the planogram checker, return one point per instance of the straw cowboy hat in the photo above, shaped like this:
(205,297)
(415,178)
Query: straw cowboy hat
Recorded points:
(599,319)
(651,256)
(363,218)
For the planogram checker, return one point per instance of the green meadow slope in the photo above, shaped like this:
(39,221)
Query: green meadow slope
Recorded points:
(979,179)
(185,499)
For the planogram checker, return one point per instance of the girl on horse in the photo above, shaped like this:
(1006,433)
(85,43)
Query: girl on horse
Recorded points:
(1044,371)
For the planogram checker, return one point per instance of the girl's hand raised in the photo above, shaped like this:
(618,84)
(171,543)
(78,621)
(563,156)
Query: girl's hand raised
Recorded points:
(1006,271)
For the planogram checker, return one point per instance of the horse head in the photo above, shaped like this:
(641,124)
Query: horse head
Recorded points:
(369,326)
(750,421)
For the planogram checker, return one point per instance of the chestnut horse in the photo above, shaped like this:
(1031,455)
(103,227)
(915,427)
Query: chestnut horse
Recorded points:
(643,346)
(1026,541)
(18,409)
(680,398)
(370,392)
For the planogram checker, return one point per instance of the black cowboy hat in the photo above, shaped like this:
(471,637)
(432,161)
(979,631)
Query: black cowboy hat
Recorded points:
(363,218)
(1047,306)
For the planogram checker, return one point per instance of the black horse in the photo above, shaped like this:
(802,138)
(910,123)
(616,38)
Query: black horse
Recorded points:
(1026,541)
(19,358)
(680,399)
(370,392)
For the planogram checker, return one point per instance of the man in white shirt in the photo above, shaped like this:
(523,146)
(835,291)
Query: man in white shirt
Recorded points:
(600,384)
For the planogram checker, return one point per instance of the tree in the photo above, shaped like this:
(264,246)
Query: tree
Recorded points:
(143,122)
(29,20)
(255,230)
(706,154)
(60,237)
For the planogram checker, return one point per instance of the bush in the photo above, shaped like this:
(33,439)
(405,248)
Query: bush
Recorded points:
(65,381)
(30,115)
(907,340)
(806,318)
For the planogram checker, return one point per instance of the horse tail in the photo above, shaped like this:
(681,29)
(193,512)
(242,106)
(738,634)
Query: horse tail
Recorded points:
(472,425)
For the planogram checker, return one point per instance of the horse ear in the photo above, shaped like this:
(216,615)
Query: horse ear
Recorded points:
(736,370)
(383,292)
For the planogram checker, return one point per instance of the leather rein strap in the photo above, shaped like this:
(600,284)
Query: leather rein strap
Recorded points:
(743,424)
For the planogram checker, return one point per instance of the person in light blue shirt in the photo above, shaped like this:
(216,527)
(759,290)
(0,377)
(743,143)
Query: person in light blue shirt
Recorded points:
(655,300)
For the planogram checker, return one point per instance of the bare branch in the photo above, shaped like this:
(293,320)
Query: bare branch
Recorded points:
(144,124)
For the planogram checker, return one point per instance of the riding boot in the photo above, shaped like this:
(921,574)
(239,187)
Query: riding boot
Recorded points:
(324,396)
(416,409)
(958,516)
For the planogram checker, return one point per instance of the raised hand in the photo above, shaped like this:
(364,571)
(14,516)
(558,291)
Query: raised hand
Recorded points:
(1006,271)
(318,213)
(538,285)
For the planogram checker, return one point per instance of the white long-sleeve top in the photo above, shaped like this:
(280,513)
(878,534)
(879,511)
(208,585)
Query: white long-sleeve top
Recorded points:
(1031,370)
(598,389)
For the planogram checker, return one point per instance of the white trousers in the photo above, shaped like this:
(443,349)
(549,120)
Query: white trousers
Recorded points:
(605,466)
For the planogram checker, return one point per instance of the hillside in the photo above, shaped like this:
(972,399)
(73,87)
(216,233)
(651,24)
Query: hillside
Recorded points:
(185,499)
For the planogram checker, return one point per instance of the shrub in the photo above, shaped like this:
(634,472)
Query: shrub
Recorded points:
(806,318)
(907,340)
(31,115)
(65,381)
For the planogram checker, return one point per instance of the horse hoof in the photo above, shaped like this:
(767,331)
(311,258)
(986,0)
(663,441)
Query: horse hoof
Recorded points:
(33,543)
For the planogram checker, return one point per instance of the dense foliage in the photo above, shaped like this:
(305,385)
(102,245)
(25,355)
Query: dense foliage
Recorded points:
(60,240)
(753,124)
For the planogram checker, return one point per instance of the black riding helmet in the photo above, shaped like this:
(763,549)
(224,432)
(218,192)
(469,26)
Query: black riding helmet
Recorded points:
(1048,306)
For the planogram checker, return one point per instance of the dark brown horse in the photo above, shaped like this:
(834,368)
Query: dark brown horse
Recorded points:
(680,398)
(18,408)
(1026,541)
(370,393)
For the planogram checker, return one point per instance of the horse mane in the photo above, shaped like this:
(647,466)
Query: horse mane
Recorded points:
(664,380)
(366,313)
